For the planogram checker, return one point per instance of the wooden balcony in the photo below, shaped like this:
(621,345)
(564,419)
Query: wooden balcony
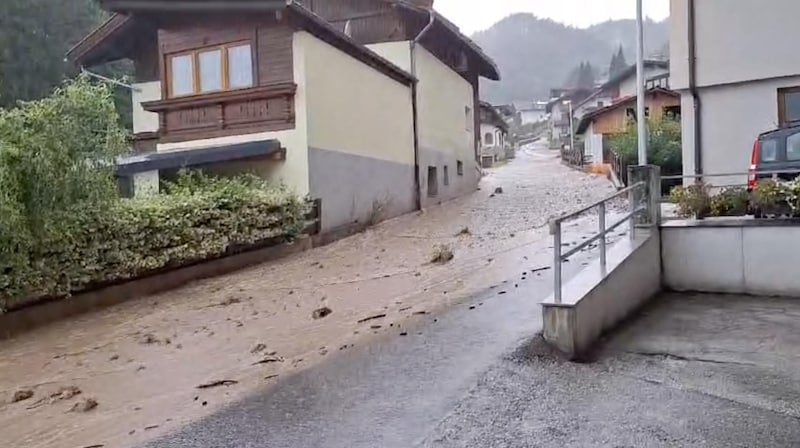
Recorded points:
(259,109)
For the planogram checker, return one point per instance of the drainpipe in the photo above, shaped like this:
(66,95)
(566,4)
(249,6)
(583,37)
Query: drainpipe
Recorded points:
(698,127)
(414,43)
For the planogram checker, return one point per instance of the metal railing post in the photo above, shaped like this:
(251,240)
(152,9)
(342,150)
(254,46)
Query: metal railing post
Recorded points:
(602,216)
(556,229)
(632,220)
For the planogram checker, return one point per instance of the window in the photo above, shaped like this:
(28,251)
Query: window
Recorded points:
(488,139)
(673,112)
(768,150)
(460,168)
(788,105)
(446,176)
(216,69)
(793,147)
(468,118)
(433,182)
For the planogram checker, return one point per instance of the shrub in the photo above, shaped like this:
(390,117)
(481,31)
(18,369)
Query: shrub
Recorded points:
(693,200)
(63,228)
(730,202)
(134,237)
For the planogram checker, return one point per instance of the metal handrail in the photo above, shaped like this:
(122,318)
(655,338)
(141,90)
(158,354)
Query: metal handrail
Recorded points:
(555,230)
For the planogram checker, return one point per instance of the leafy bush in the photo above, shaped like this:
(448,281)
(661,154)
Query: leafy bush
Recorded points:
(663,145)
(693,200)
(63,228)
(730,202)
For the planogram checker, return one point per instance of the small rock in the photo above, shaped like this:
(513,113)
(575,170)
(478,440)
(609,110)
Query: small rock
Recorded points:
(472,307)
(85,405)
(321,313)
(22,395)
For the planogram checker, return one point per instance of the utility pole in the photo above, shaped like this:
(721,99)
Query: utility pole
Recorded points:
(641,119)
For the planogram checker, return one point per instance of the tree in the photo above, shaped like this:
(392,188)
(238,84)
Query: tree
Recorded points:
(581,77)
(618,63)
(34,37)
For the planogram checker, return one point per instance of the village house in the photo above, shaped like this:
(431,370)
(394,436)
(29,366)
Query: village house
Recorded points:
(736,70)
(623,86)
(369,105)
(495,144)
(598,125)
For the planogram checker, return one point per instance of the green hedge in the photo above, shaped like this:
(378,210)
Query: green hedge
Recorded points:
(132,237)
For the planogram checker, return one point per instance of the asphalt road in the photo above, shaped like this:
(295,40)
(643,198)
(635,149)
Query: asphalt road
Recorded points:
(395,392)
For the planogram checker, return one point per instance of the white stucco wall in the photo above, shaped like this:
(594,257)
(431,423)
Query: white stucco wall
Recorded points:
(443,96)
(144,121)
(532,116)
(294,170)
(398,53)
(628,86)
(732,118)
(353,108)
(737,40)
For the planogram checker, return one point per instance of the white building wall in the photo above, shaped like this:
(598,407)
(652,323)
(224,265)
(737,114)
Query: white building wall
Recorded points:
(628,86)
(732,117)
(144,121)
(532,116)
(737,40)
(399,53)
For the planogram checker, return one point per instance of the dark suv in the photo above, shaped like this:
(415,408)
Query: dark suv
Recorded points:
(777,150)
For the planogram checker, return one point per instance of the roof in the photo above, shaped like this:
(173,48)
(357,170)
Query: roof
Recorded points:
(164,160)
(494,116)
(488,68)
(587,119)
(104,43)
(622,76)
(631,70)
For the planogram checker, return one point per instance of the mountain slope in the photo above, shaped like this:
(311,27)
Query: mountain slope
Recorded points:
(535,54)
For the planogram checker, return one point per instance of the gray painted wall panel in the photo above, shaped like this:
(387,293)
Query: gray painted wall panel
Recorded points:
(458,185)
(349,186)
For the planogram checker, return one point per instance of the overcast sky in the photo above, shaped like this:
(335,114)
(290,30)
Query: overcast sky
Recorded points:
(476,15)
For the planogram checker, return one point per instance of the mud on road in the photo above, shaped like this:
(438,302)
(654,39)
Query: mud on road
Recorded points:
(154,364)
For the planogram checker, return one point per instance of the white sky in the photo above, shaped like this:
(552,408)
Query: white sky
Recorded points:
(476,15)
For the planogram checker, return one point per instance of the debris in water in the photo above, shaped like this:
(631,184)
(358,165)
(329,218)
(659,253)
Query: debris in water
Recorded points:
(420,313)
(269,377)
(84,405)
(501,293)
(442,253)
(498,190)
(404,333)
(533,271)
(148,428)
(217,383)
(464,231)
(113,358)
(374,317)
(148,339)
(270,358)
(258,348)
(230,301)
(22,395)
(321,313)
(472,307)
(63,393)
(375,327)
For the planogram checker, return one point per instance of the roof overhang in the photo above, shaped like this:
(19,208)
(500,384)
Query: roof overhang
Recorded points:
(114,38)
(155,161)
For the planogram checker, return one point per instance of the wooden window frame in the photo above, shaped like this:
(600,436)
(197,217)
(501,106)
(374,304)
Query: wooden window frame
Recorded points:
(225,75)
(782,118)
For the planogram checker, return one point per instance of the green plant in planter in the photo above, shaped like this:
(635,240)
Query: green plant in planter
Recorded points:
(730,202)
(693,200)
(771,198)
(791,190)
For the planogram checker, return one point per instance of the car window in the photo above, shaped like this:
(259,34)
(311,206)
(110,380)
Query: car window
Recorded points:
(768,150)
(793,147)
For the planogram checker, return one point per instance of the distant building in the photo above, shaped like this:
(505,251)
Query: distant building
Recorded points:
(623,85)
(533,112)
(495,143)
(596,126)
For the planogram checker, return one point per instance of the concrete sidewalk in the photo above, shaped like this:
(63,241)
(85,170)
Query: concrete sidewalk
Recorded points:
(691,370)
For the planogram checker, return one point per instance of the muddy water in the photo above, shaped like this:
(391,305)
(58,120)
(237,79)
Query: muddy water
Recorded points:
(142,361)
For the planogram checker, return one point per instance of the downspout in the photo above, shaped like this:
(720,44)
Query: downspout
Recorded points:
(698,125)
(415,118)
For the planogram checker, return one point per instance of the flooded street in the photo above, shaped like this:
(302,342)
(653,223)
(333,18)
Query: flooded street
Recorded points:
(156,364)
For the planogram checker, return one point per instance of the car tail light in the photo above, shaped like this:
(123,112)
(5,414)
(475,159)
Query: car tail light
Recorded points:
(751,178)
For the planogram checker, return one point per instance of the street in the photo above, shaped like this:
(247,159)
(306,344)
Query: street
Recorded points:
(256,329)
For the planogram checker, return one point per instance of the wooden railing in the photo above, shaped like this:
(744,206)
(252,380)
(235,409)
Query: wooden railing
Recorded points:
(573,157)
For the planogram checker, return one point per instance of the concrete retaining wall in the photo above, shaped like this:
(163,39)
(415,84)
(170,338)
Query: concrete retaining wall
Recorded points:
(732,256)
(593,303)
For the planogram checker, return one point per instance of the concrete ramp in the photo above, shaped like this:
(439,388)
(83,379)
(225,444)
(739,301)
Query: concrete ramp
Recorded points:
(595,301)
